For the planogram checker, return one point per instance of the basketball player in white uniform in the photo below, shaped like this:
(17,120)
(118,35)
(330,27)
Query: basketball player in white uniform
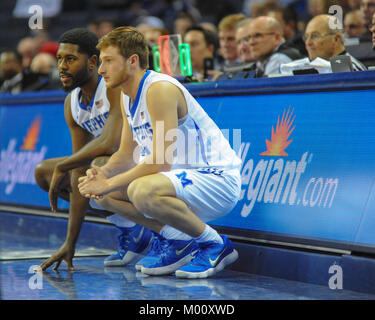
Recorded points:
(186,172)
(93,115)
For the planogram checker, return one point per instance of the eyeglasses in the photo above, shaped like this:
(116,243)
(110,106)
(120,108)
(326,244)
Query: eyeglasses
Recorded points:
(353,26)
(255,36)
(315,36)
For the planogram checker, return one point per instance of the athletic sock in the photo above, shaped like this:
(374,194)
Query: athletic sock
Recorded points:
(209,234)
(120,221)
(169,232)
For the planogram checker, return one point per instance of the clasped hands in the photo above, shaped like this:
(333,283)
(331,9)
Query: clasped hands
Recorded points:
(94,184)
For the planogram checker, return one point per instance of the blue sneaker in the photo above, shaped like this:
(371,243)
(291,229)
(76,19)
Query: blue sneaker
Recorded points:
(131,245)
(211,258)
(158,244)
(175,255)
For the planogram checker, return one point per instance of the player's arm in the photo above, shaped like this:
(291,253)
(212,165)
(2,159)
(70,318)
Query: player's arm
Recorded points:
(104,145)
(162,101)
(123,159)
(78,204)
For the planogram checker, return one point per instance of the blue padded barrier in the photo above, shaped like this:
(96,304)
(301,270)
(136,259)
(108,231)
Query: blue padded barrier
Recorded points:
(318,185)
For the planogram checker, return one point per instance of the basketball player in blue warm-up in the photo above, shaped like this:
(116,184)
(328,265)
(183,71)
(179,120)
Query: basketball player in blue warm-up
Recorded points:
(93,115)
(186,173)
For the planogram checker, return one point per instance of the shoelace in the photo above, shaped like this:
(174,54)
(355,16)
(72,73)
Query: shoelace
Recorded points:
(201,255)
(158,245)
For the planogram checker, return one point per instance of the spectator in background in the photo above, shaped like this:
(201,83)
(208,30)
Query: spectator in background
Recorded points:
(353,24)
(256,8)
(152,35)
(16,78)
(105,26)
(151,27)
(145,23)
(101,27)
(41,36)
(317,7)
(11,70)
(50,47)
(43,63)
(92,26)
(267,46)
(367,9)
(46,64)
(354,4)
(227,40)
(208,26)
(242,41)
(324,42)
(182,22)
(27,48)
(203,44)
(288,19)
(372,30)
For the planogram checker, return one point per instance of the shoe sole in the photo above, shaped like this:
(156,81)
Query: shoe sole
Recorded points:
(128,257)
(159,271)
(229,259)
(139,266)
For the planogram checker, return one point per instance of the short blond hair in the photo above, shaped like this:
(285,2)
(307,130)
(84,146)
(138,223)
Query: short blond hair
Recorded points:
(129,41)
(230,22)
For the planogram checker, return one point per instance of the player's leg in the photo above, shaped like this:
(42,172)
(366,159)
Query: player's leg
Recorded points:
(119,202)
(133,238)
(188,200)
(212,195)
(136,233)
(155,196)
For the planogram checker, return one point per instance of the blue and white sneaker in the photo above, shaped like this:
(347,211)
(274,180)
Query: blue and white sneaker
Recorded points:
(173,256)
(131,245)
(211,258)
(157,246)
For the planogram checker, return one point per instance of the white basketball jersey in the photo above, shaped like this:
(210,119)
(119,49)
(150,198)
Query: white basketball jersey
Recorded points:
(200,143)
(91,117)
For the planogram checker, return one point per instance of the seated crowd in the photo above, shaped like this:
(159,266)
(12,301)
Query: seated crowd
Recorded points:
(267,41)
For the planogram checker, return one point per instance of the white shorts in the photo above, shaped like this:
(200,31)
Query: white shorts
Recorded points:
(209,193)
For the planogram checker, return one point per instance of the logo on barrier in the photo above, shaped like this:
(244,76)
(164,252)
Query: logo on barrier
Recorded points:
(17,167)
(32,135)
(279,137)
(277,180)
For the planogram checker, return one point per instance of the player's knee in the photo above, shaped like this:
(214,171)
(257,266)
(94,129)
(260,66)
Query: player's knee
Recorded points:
(143,195)
(40,174)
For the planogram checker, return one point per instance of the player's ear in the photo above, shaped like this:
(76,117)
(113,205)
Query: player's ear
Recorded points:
(133,59)
(93,61)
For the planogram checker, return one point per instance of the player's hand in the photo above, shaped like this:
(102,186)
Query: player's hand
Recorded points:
(54,189)
(94,184)
(93,188)
(65,253)
(92,172)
